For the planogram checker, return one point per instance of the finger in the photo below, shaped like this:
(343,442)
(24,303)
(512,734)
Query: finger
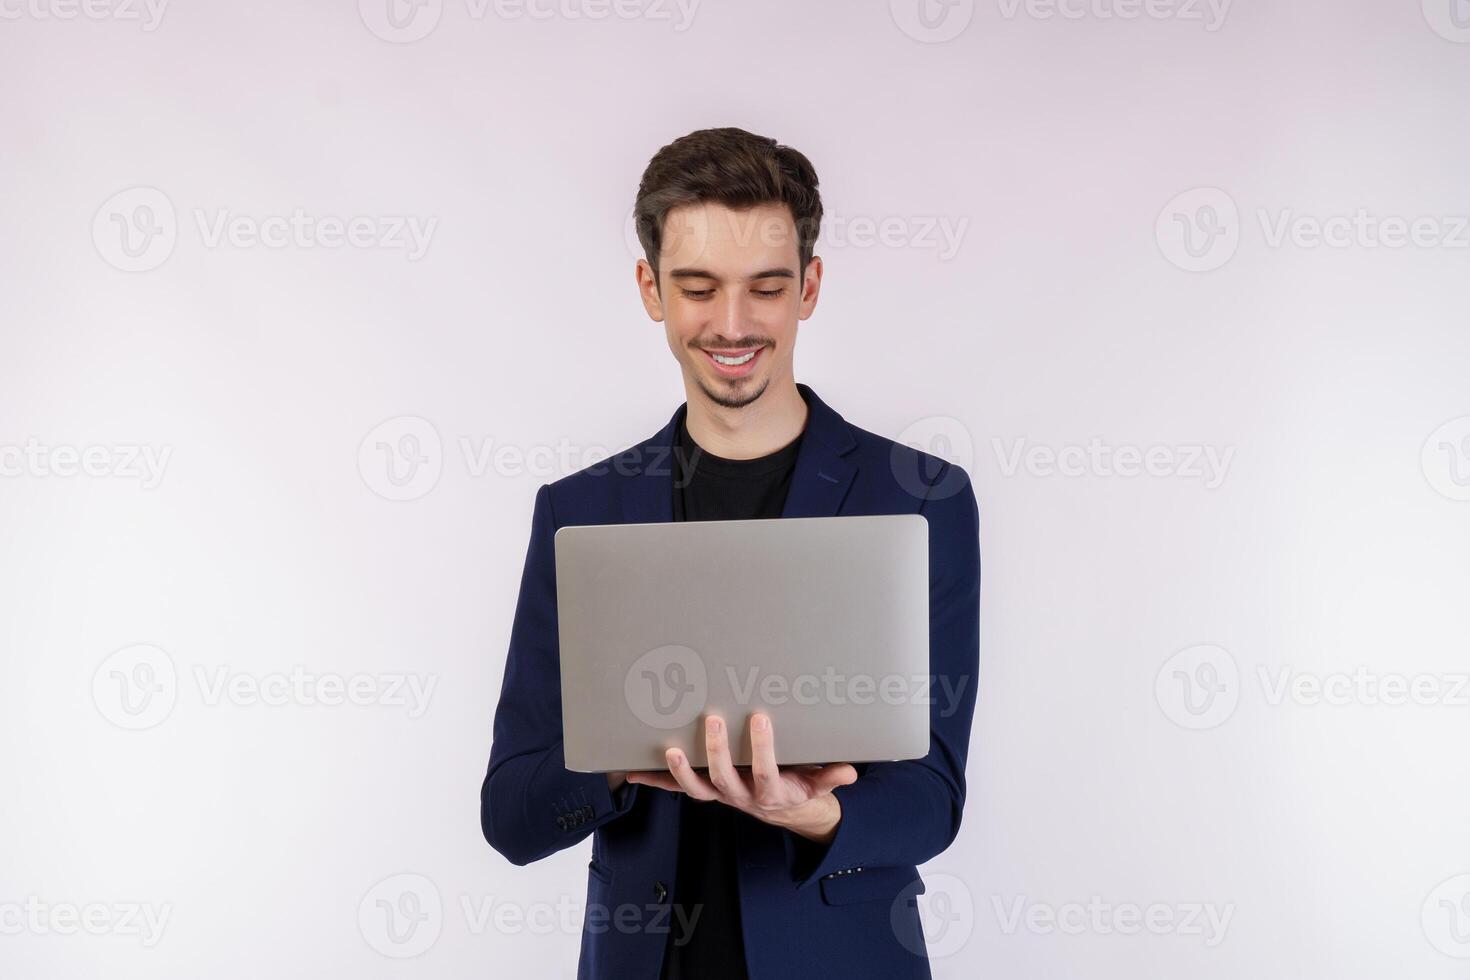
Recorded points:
(721,769)
(764,772)
(690,781)
(662,780)
(833,776)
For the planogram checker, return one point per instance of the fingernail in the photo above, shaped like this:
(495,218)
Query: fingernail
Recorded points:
(716,725)
(676,758)
(760,723)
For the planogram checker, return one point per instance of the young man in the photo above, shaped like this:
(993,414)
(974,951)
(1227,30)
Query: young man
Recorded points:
(765,872)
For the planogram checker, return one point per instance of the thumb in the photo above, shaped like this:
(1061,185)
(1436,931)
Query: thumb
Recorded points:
(830,777)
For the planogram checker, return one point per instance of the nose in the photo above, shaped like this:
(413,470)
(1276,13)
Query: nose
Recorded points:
(731,323)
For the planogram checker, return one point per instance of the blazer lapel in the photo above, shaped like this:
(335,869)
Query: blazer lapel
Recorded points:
(819,483)
(650,498)
(823,475)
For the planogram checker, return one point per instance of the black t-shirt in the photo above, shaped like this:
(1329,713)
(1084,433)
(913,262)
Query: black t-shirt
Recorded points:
(710,488)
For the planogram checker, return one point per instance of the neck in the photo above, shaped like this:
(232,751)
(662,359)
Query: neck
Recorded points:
(765,425)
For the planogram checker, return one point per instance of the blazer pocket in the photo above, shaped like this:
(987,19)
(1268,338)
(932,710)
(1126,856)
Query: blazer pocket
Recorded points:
(599,870)
(870,884)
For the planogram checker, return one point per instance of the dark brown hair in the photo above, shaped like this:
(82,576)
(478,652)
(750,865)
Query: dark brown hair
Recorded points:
(731,167)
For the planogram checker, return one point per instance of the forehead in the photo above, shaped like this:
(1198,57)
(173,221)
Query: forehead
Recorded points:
(726,239)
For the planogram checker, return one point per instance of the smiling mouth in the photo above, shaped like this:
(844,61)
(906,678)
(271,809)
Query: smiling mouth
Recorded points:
(734,363)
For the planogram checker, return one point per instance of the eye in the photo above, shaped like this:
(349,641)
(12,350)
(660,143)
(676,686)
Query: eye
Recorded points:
(698,293)
(770,293)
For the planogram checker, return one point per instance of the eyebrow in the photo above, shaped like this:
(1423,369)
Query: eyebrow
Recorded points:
(776,273)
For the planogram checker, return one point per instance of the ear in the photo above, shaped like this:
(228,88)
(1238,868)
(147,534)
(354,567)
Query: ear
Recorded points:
(648,290)
(811,287)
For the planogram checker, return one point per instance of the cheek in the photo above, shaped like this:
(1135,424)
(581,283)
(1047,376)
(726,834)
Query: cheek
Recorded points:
(781,324)
(680,328)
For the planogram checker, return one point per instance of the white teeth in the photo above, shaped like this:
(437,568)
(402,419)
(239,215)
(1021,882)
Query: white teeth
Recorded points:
(732,361)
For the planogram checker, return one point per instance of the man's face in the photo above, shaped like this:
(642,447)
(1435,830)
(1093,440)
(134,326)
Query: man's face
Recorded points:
(730,293)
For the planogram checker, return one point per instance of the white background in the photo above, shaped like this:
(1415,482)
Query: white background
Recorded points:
(1329,833)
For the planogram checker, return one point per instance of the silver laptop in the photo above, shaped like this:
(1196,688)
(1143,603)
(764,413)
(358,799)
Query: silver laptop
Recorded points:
(821,622)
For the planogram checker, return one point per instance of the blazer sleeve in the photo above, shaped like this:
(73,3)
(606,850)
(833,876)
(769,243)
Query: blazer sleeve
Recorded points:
(530,804)
(905,813)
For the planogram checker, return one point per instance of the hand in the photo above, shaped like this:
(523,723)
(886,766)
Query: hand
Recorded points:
(798,798)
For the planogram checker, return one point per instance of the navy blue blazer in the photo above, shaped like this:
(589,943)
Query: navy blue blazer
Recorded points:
(845,909)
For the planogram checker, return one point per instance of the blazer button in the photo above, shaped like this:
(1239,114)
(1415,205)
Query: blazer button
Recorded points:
(660,891)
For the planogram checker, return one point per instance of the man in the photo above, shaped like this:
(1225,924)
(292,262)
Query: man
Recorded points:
(765,872)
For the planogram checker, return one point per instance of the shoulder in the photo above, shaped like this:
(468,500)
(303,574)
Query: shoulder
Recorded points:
(926,479)
(598,493)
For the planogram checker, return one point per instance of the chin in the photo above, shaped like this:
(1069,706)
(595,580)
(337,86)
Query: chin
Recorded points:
(734,394)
